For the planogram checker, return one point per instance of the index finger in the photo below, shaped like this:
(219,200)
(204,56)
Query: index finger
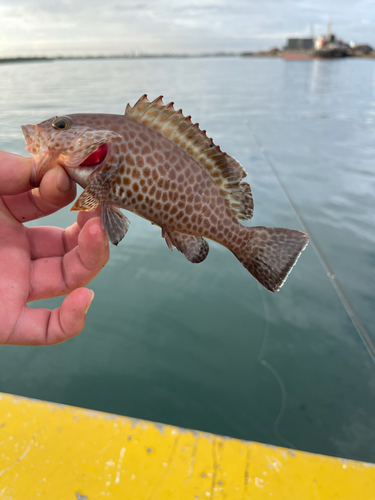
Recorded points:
(15,173)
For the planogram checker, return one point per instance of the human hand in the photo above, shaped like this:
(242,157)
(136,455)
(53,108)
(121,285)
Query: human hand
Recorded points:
(43,262)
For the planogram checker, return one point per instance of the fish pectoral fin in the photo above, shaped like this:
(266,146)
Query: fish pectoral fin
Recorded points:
(195,248)
(114,223)
(95,192)
(86,202)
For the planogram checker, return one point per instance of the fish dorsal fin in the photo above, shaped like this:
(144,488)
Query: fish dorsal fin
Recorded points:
(225,171)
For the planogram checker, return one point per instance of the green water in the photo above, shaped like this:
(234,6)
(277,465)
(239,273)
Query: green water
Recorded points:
(204,346)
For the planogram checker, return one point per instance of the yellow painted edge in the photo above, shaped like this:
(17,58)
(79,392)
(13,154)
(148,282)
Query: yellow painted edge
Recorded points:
(55,452)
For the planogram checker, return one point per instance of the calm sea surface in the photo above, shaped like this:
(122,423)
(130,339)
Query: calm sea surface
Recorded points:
(204,346)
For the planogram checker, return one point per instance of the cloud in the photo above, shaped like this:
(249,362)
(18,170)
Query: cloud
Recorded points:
(116,26)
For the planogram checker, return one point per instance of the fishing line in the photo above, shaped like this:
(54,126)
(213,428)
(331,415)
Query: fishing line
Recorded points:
(335,283)
(283,403)
(275,373)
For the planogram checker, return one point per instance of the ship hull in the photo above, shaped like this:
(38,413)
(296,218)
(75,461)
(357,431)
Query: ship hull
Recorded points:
(298,55)
(315,54)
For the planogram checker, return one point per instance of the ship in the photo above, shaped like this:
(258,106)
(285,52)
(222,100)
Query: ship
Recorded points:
(322,47)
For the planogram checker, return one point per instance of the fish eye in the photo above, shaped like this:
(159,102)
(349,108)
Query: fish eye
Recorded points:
(60,123)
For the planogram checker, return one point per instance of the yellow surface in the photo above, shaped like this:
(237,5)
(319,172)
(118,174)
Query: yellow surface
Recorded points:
(55,452)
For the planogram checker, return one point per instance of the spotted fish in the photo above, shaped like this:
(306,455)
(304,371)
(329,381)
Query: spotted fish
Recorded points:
(156,163)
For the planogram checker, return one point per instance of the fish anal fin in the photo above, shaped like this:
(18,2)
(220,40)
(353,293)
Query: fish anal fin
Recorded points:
(114,223)
(195,248)
(270,253)
(224,170)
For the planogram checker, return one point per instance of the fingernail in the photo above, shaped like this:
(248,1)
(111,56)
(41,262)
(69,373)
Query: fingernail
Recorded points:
(90,301)
(63,180)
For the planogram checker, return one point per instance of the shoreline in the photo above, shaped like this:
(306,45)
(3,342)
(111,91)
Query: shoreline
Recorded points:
(276,53)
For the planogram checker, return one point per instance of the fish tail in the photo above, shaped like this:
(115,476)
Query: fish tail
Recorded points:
(270,253)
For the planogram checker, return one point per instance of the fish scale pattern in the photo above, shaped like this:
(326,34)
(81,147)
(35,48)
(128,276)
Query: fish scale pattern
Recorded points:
(224,169)
(144,174)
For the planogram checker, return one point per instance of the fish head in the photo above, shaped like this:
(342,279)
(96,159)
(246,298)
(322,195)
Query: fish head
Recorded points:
(65,141)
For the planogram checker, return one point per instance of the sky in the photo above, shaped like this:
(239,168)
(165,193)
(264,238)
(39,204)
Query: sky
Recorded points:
(112,27)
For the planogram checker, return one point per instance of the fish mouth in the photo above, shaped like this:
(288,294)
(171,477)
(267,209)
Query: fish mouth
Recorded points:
(36,146)
(29,132)
(39,167)
(97,157)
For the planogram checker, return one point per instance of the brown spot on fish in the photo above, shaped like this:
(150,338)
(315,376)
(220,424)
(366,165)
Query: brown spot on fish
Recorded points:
(158,157)
(130,160)
(140,161)
(162,170)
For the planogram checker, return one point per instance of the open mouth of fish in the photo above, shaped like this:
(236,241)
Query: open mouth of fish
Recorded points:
(97,157)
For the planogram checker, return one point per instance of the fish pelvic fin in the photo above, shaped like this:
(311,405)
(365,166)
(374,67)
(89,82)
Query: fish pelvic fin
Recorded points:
(224,170)
(270,253)
(195,248)
(114,223)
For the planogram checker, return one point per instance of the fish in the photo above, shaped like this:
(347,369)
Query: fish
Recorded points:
(155,162)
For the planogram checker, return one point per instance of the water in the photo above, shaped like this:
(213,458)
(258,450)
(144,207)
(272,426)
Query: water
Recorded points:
(204,346)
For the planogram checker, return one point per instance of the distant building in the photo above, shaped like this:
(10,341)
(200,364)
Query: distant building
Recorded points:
(299,44)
